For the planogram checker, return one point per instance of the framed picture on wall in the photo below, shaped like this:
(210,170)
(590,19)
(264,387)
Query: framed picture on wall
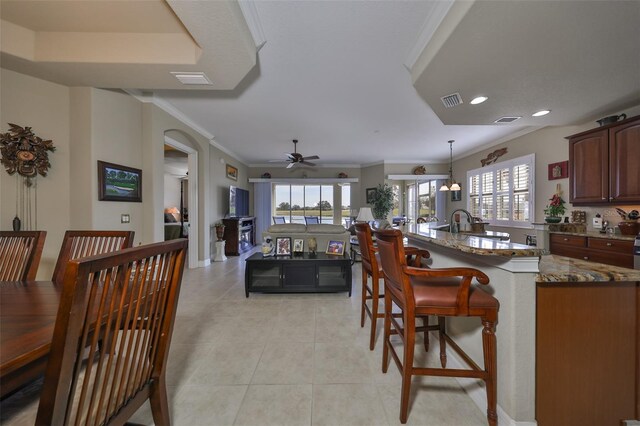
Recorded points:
(371,192)
(558,170)
(119,183)
(456,195)
(232,172)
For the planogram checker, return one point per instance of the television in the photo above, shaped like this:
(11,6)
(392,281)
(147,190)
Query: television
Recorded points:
(238,202)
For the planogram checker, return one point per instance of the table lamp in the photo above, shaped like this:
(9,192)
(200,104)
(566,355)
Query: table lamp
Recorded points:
(365,215)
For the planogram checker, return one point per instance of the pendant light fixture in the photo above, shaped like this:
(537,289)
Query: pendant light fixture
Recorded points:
(450,185)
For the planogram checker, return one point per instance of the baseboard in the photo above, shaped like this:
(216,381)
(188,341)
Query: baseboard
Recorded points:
(203,263)
(475,390)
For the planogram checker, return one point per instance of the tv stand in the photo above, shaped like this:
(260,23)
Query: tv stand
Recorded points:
(239,234)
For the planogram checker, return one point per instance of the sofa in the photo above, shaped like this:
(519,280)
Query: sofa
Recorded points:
(323,233)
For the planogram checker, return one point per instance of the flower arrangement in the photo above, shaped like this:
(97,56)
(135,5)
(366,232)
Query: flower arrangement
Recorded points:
(556,207)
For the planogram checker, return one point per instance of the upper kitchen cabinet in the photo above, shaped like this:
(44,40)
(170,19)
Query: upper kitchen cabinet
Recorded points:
(604,164)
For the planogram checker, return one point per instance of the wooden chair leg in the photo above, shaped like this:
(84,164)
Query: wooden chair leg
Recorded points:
(375,292)
(159,403)
(364,296)
(425,323)
(387,332)
(407,366)
(489,350)
(443,342)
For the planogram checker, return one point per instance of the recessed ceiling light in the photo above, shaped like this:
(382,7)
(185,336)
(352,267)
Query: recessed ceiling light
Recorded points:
(541,113)
(478,100)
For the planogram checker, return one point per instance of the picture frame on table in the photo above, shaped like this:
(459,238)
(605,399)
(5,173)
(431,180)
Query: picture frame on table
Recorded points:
(371,192)
(283,246)
(232,172)
(119,183)
(298,246)
(335,247)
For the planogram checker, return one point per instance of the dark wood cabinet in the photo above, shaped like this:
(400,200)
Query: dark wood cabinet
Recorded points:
(239,234)
(298,274)
(602,250)
(603,164)
(587,353)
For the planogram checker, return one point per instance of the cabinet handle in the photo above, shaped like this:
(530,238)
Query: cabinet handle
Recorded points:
(604,198)
(566,239)
(586,258)
(609,244)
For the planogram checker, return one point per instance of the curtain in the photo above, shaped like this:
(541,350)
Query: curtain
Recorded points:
(262,207)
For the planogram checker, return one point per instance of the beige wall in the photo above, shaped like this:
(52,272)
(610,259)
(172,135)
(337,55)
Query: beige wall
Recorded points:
(549,146)
(44,106)
(220,183)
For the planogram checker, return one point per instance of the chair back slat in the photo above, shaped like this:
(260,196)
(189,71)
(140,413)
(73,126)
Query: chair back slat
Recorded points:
(78,244)
(127,300)
(392,260)
(20,254)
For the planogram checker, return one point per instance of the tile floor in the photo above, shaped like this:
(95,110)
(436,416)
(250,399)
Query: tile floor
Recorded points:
(289,359)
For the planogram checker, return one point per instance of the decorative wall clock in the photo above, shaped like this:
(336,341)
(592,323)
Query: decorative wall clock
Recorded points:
(26,156)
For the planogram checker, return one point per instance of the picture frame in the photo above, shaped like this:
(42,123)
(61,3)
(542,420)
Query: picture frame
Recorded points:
(119,183)
(456,195)
(371,192)
(283,246)
(558,170)
(232,172)
(298,246)
(335,247)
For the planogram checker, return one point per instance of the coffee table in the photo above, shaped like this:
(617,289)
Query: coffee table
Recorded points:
(305,273)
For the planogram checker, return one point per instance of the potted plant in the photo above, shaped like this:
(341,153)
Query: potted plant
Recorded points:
(555,209)
(382,202)
(219,230)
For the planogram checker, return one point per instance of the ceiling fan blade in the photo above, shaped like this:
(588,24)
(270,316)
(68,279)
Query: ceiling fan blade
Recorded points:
(306,163)
(313,157)
(291,165)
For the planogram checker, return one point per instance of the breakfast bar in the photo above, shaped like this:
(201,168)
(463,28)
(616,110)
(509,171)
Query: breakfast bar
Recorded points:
(533,316)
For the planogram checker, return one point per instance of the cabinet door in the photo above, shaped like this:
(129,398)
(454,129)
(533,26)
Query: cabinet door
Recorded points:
(264,276)
(624,154)
(332,276)
(589,168)
(299,275)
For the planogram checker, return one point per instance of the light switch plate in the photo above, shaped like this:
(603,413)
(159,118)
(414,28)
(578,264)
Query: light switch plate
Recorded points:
(125,218)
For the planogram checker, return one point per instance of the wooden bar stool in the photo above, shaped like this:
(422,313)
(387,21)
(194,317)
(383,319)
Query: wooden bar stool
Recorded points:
(371,268)
(420,292)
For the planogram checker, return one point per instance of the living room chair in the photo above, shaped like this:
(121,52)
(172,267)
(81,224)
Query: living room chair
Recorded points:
(137,286)
(20,254)
(278,220)
(77,244)
(447,292)
(371,268)
(311,220)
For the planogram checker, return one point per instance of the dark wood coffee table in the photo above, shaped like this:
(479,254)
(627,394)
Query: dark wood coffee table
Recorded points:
(306,273)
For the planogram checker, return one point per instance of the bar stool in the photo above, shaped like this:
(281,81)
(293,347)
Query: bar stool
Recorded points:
(371,268)
(448,292)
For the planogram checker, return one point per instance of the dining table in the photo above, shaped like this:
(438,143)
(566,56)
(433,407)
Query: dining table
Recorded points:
(28,312)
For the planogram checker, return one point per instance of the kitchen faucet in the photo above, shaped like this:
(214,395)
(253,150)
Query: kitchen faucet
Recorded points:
(452,227)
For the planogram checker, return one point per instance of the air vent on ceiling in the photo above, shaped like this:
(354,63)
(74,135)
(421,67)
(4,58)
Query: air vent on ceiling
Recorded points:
(507,119)
(451,100)
(192,78)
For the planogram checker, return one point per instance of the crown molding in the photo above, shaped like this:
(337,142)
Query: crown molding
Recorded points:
(250,13)
(439,11)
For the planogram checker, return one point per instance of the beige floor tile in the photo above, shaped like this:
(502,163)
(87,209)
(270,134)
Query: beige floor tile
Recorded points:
(349,404)
(228,363)
(276,405)
(285,363)
(294,328)
(207,405)
(337,329)
(339,363)
(240,329)
(184,360)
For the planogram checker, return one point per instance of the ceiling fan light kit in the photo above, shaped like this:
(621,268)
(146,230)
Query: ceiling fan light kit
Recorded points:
(450,185)
(295,157)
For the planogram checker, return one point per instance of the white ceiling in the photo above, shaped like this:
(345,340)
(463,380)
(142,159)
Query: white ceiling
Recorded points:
(332,73)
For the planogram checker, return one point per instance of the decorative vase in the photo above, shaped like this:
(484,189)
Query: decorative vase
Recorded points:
(17,224)
(312,245)
(219,232)
(552,219)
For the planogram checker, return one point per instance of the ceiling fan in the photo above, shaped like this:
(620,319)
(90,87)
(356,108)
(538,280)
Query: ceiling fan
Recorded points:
(295,157)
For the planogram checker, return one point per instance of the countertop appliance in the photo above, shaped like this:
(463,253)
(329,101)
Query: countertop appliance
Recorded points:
(636,253)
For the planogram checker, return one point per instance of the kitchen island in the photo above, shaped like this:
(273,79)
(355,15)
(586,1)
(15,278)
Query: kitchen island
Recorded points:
(517,273)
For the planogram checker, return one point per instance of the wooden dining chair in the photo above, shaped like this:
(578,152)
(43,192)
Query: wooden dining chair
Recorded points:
(20,253)
(447,292)
(77,244)
(136,286)
(371,268)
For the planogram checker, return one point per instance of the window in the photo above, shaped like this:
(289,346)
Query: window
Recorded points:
(502,194)
(423,200)
(294,202)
